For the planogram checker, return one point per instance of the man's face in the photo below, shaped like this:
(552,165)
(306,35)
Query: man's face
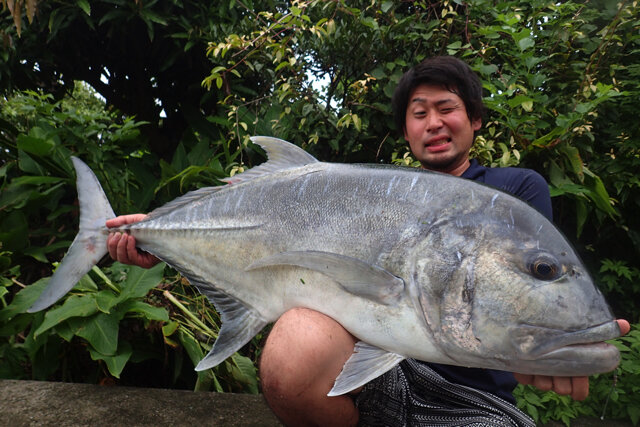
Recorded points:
(438,129)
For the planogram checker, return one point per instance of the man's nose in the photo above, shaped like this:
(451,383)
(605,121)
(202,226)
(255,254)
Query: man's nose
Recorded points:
(434,121)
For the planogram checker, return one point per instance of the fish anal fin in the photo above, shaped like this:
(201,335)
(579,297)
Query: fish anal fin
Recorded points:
(355,276)
(365,364)
(239,325)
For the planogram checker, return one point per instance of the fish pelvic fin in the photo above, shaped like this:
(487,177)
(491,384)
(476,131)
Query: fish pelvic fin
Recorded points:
(365,364)
(281,155)
(239,325)
(90,244)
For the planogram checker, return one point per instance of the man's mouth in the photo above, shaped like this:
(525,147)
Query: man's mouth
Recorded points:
(438,144)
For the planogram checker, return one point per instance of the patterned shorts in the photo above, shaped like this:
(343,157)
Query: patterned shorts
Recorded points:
(412,394)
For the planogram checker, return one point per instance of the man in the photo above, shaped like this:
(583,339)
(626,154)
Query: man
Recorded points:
(438,105)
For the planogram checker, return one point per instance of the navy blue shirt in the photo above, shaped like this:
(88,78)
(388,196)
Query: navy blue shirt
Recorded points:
(531,187)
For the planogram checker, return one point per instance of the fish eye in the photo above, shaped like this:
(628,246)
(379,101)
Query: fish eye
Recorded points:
(544,267)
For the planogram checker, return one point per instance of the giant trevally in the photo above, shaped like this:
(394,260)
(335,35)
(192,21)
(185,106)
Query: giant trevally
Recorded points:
(414,264)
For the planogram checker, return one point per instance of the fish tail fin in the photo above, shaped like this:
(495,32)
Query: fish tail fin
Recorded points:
(89,246)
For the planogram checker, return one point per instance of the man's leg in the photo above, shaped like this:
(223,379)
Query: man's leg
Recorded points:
(301,359)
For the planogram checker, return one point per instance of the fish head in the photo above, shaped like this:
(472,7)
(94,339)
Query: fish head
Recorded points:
(513,295)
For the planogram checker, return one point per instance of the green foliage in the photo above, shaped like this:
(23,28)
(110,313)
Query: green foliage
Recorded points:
(39,137)
(621,282)
(119,317)
(90,312)
(195,326)
(612,396)
(561,84)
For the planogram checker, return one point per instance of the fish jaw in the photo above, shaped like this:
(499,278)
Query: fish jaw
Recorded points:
(576,353)
(579,360)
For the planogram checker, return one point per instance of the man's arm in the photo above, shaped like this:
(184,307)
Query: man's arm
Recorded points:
(122,246)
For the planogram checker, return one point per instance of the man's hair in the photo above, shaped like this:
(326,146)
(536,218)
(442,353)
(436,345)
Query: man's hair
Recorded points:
(449,72)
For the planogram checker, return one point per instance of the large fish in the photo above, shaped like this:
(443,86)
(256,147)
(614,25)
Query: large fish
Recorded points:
(414,264)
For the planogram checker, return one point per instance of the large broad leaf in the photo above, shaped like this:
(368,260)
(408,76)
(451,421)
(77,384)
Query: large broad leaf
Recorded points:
(115,363)
(140,281)
(35,144)
(246,372)
(74,306)
(101,331)
(205,378)
(23,300)
(147,311)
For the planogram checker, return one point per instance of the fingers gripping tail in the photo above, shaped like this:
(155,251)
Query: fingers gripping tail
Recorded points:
(89,246)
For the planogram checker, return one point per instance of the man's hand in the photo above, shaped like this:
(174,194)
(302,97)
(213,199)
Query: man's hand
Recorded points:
(576,387)
(122,247)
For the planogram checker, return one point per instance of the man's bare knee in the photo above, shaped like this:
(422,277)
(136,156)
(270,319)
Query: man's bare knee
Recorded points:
(302,356)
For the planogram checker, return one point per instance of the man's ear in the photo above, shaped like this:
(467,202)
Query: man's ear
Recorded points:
(476,124)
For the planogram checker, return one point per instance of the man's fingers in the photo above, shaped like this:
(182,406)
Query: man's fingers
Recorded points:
(523,378)
(112,244)
(576,387)
(579,388)
(543,382)
(624,326)
(562,385)
(122,253)
(124,220)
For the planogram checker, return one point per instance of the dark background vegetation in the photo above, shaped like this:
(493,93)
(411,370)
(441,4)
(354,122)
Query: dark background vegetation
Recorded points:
(160,97)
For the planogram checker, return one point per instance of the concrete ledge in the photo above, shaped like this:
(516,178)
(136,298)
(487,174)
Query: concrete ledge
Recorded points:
(27,403)
(30,403)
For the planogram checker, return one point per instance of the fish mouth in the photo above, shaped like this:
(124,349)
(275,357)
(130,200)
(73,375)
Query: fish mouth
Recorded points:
(539,342)
(562,353)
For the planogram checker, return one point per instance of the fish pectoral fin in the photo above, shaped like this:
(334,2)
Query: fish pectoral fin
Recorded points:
(239,325)
(365,364)
(355,276)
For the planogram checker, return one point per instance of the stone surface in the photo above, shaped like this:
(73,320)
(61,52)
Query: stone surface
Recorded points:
(29,403)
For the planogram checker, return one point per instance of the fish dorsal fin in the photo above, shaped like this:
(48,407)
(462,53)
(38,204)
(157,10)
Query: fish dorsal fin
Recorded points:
(239,325)
(365,364)
(183,200)
(355,276)
(280,155)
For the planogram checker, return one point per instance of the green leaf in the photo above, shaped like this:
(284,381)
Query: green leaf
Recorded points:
(386,6)
(153,17)
(246,373)
(140,281)
(34,145)
(191,345)
(599,194)
(36,180)
(170,328)
(74,306)
(581,216)
(115,363)
(85,6)
(101,331)
(526,43)
(39,252)
(147,311)
(23,300)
